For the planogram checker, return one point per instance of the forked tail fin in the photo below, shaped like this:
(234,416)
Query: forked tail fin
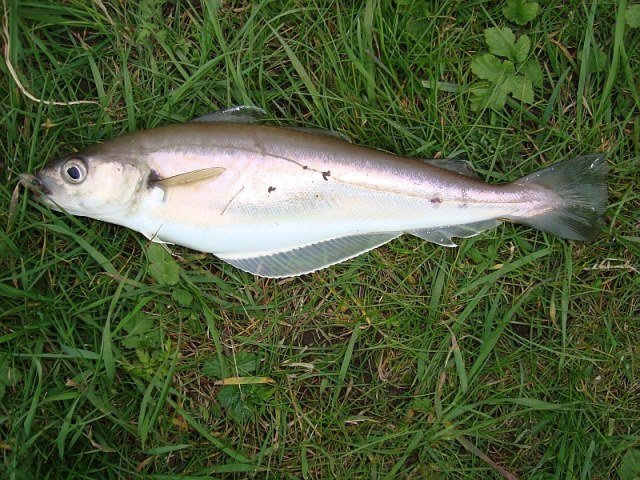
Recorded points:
(582,184)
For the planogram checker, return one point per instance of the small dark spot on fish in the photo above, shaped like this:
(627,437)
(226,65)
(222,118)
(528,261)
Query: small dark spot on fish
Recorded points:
(326,175)
(464,199)
(436,200)
(271,189)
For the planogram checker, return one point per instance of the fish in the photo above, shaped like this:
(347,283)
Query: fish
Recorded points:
(281,202)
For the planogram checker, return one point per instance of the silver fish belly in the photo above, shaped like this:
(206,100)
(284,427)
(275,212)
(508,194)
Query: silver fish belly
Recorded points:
(279,202)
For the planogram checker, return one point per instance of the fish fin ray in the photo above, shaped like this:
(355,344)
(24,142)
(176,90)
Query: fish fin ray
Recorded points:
(188,178)
(244,114)
(307,259)
(444,235)
(581,184)
(463,167)
(321,132)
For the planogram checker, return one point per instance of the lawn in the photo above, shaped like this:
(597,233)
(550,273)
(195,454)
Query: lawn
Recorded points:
(516,355)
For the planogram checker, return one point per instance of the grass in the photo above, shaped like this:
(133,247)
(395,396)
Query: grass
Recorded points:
(515,355)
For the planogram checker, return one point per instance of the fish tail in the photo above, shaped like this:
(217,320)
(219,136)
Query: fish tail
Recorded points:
(581,185)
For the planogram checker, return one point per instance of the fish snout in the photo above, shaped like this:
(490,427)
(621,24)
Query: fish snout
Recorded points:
(34,184)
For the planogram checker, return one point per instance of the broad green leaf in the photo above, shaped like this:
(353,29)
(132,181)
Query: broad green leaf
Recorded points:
(246,363)
(139,324)
(489,95)
(523,45)
(498,96)
(242,364)
(182,297)
(142,332)
(231,399)
(501,41)
(263,393)
(480,96)
(213,369)
(520,88)
(486,67)
(632,16)
(240,412)
(506,70)
(629,468)
(227,396)
(162,267)
(139,342)
(533,72)
(520,11)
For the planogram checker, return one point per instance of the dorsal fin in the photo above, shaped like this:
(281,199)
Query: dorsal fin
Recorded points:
(463,167)
(321,132)
(240,114)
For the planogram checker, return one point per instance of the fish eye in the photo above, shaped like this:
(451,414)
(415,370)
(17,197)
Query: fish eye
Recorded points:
(74,170)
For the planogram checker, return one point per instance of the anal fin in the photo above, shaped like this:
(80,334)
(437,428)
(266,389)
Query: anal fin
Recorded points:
(309,258)
(444,235)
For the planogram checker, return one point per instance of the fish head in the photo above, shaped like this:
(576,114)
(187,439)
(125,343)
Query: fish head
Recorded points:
(91,185)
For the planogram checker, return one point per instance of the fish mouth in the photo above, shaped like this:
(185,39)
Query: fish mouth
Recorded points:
(34,184)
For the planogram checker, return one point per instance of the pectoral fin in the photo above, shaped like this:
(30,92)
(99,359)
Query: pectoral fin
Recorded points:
(188,178)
